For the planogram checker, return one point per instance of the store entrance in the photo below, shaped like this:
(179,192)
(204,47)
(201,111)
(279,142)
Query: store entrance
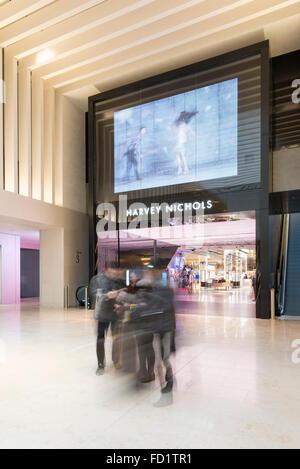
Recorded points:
(211,262)
(215,280)
(215,272)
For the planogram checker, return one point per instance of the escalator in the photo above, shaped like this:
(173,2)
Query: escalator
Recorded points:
(292,289)
(288,273)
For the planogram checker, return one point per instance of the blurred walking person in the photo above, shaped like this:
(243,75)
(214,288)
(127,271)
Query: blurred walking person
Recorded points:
(125,301)
(141,318)
(155,315)
(104,289)
(164,340)
(254,288)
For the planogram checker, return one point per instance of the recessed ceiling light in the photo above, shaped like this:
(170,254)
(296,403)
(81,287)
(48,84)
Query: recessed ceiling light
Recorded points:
(44,56)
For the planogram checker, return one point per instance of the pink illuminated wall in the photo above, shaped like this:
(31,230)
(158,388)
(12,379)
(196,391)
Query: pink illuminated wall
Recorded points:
(237,232)
(30,239)
(10,248)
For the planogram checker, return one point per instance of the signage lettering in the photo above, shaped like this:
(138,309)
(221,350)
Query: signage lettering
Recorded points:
(181,207)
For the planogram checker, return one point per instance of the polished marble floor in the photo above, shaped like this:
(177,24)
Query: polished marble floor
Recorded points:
(209,302)
(237,386)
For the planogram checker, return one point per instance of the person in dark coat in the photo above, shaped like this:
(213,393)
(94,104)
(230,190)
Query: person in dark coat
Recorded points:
(254,287)
(109,283)
(124,302)
(164,342)
(155,315)
(143,331)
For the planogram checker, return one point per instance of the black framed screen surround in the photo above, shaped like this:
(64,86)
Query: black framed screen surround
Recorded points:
(246,70)
(245,190)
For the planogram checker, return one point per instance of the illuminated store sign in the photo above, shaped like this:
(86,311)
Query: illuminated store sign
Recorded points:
(156,209)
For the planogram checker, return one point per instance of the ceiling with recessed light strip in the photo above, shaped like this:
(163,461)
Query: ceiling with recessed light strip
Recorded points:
(56,53)
(80,47)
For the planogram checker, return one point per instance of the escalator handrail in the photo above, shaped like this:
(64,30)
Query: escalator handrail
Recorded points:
(282,290)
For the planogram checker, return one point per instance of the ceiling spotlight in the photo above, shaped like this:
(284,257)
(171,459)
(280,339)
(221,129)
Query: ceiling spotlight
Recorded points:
(44,56)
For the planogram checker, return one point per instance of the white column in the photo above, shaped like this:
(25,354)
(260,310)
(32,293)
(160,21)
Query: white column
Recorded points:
(49,134)
(11,123)
(52,268)
(37,137)
(25,132)
(58,160)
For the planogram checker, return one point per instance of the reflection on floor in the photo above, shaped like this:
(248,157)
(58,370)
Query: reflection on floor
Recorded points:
(30,300)
(207,302)
(237,386)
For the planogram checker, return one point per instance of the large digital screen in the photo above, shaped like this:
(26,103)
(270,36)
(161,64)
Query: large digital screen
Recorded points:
(184,138)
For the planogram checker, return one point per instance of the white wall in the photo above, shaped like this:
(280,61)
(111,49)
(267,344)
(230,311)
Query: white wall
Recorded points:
(50,180)
(52,268)
(74,197)
(76,266)
(10,268)
(63,233)
(74,187)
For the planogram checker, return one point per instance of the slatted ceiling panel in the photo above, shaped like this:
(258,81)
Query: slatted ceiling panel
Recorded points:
(94,42)
(249,142)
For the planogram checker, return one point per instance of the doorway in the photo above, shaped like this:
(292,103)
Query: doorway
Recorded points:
(215,280)
(211,262)
(30,266)
(30,274)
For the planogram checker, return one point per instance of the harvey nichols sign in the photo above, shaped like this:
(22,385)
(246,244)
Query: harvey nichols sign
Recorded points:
(156,209)
(140,215)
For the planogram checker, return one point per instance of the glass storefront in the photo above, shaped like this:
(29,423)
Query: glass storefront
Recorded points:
(188,150)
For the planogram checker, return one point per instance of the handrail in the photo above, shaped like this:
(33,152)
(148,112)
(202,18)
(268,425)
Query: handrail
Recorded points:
(283,264)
